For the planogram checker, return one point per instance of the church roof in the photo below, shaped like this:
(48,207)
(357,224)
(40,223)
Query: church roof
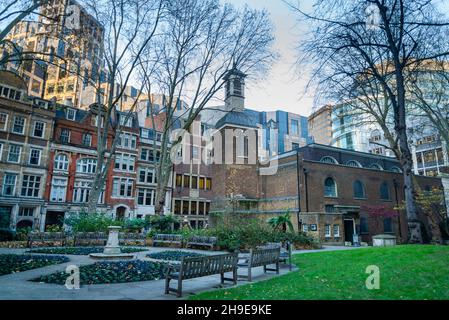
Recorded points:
(247,118)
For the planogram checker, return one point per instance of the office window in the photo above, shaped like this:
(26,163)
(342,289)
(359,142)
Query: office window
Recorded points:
(177,207)
(19,125)
(26,212)
(388,225)
(61,162)
(125,162)
(336,230)
(87,139)
(359,190)
(35,157)
(202,183)
(65,136)
(295,127)
(122,187)
(194,182)
(179,180)
(9,184)
(30,186)
(185,207)
(385,191)
(58,190)
(330,188)
(14,153)
(327,231)
(201,211)
(86,165)
(193,208)
(39,128)
(208,184)
(186,181)
(3,121)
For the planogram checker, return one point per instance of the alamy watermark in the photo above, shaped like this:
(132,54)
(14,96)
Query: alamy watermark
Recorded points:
(373,280)
(373,18)
(73,280)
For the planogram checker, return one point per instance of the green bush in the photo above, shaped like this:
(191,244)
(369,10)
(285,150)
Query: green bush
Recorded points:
(22,233)
(135,225)
(161,224)
(91,222)
(7,235)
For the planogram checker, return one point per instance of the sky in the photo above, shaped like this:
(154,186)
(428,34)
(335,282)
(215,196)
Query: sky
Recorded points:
(283,89)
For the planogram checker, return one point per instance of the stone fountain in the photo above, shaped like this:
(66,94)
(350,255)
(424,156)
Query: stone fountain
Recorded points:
(112,249)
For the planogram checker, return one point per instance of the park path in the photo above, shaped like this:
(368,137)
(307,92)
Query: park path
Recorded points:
(18,287)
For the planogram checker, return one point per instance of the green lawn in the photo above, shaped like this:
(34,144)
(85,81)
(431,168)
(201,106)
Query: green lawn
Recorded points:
(406,272)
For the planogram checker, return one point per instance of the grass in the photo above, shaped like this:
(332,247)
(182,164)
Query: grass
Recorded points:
(81,250)
(406,273)
(12,263)
(111,272)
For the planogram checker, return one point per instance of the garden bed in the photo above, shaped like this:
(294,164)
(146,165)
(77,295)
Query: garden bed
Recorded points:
(173,255)
(111,272)
(81,251)
(12,263)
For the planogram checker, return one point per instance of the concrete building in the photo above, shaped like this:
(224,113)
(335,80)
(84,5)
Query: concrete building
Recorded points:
(26,128)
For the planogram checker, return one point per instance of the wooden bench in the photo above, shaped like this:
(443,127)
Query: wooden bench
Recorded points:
(132,238)
(260,258)
(90,238)
(171,239)
(285,255)
(197,267)
(45,237)
(202,241)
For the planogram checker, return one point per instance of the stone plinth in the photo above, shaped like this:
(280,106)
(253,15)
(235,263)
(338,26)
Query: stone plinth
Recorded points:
(112,249)
(384,240)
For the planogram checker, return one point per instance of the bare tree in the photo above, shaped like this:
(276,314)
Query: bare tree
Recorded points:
(201,40)
(385,39)
(130,27)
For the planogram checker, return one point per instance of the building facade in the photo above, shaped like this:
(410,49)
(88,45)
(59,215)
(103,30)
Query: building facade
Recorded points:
(320,126)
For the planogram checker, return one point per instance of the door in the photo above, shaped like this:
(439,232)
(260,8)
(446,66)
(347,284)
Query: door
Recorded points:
(54,218)
(349,231)
(120,214)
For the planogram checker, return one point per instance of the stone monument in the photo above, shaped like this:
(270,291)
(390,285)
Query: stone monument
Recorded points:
(112,249)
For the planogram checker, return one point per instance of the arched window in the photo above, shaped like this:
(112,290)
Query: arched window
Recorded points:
(86,165)
(359,190)
(330,188)
(61,162)
(395,169)
(329,160)
(385,191)
(376,166)
(353,163)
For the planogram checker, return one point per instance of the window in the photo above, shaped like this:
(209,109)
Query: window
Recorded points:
(30,186)
(9,184)
(35,157)
(388,225)
(144,154)
(295,127)
(94,121)
(127,141)
(336,230)
(395,169)
(385,191)
(359,190)
(363,225)
(330,188)
(329,208)
(305,228)
(26,212)
(354,164)
(207,208)
(208,184)
(179,180)
(61,162)
(202,183)
(193,208)
(146,175)
(19,125)
(327,231)
(185,207)
(87,139)
(86,165)
(65,136)
(39,128)
(81,191)
(14,153)
(145,197)
(194,182)
(186,181)
(178,205)
(295,146)
(125,162)
(1,151)
(58,190)
(329,160)
(70,114)
(376,166)
(122,187)
(3,121)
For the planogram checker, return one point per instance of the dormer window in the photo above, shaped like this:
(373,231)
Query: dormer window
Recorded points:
(70,114)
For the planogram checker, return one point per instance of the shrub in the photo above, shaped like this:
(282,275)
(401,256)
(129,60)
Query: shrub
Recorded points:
(11,263)
(173,255)
(161,224)
(91,222)
(22,233)
(79,251)
(135,225)
(7,235)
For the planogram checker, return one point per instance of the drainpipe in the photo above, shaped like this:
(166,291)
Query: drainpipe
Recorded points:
(298,188)
(395,183)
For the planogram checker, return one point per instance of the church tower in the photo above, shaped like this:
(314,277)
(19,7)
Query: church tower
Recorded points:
(235,90)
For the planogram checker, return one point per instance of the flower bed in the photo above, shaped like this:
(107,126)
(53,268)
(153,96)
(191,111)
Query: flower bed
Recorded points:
(12,263)
(80,251)
(173,255)
(13,244)
(111,272)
